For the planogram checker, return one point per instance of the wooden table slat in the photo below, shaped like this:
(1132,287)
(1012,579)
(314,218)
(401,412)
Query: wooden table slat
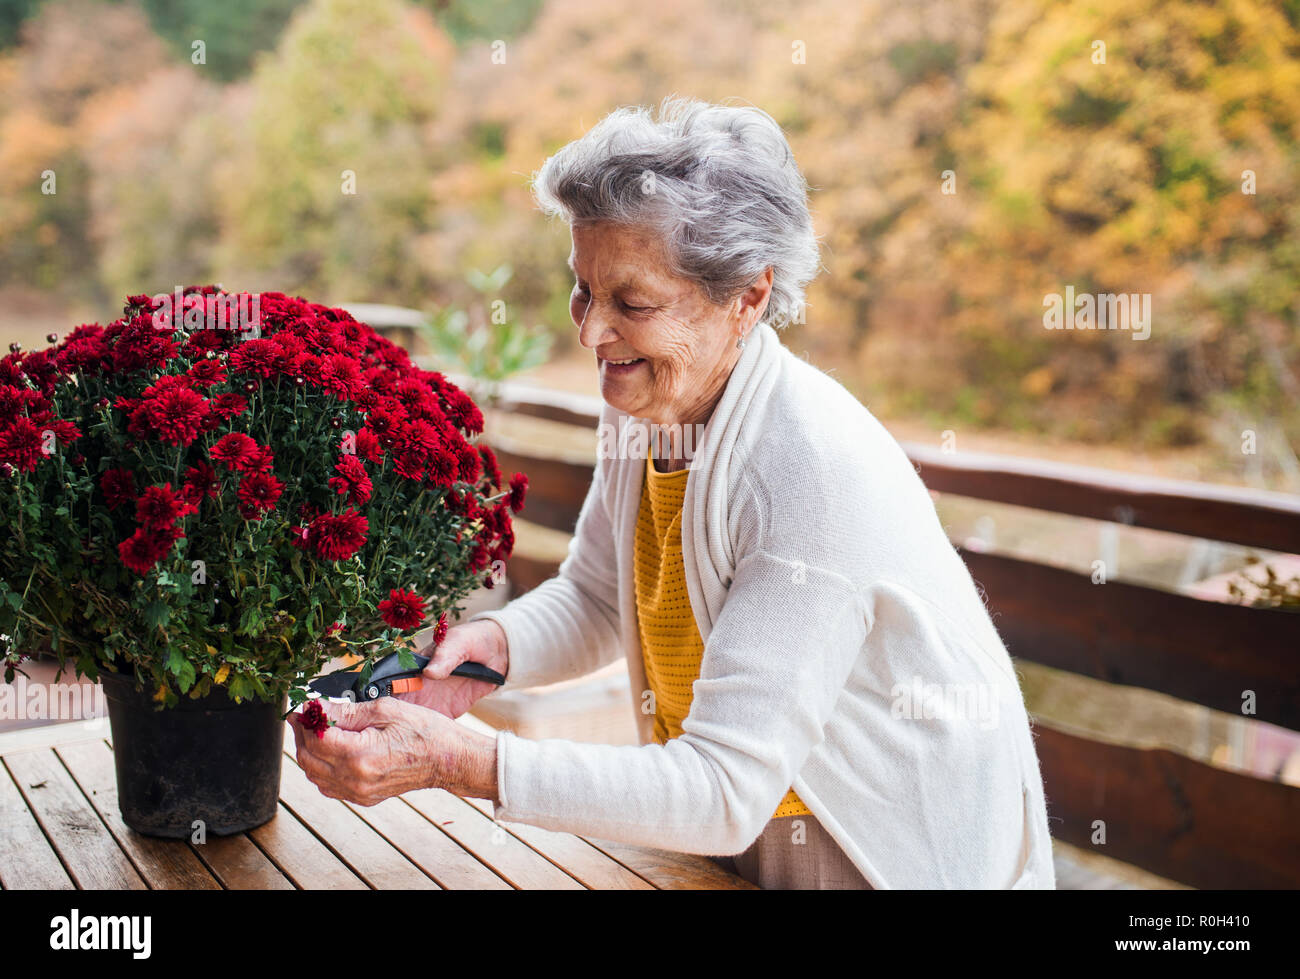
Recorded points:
(354,841)
(26,859)
(424,843)
(575,855)
(477,833)
(88,851)
(164,865)
(673,871)
(240,865)
(303,858)
(62,828)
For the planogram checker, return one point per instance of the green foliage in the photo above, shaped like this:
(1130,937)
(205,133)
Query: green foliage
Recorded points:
(331,185)
(234,31)
(484,20)
(13,13)
(486,343)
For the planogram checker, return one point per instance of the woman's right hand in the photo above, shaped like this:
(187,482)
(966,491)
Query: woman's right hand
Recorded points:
(481,641)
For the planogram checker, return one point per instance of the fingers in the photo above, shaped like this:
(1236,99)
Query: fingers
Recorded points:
(455,649)
(356,717)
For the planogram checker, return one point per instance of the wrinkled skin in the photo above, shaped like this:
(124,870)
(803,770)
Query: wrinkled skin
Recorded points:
(627,304)
(385,747)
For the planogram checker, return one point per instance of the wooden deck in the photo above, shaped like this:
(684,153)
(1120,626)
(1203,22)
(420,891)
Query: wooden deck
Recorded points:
(60,829)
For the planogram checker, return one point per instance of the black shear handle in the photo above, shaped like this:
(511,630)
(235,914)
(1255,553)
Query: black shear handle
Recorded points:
(477,671)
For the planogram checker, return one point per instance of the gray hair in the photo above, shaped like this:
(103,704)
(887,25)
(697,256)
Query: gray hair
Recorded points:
(718,183)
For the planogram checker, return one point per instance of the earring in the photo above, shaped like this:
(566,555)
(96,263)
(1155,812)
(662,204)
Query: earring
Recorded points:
(740,342)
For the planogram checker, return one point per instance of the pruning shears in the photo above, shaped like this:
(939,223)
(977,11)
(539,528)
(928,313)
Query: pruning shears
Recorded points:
(389,676)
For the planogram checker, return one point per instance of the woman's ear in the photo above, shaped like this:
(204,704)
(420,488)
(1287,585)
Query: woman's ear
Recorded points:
(753,301)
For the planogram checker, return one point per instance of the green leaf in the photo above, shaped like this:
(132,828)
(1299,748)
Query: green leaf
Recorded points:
(176,663)
(406,658)
(156,614)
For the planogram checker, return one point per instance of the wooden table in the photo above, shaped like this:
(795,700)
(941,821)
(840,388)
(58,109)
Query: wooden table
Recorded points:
(60,829)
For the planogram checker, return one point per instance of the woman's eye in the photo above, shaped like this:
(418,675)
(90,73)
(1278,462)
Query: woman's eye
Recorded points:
(638,309)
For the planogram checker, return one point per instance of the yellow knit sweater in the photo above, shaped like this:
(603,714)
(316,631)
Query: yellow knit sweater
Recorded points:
(670,641)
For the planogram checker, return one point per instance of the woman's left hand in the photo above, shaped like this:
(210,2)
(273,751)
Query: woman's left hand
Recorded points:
(382,748)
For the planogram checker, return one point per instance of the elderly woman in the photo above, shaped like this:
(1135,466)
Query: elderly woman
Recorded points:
(823,700)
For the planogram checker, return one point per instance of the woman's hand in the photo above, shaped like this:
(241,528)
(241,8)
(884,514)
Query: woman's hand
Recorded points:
(481,641)
(381,748)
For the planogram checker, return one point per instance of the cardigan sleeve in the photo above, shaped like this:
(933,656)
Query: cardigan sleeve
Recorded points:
(773,668)
(568,625)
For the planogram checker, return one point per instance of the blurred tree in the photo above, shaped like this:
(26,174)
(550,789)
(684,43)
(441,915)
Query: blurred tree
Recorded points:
(483,20)
(233,31)
(329,190)
(13,14)
(151,151)
(72,51)
(1169,168)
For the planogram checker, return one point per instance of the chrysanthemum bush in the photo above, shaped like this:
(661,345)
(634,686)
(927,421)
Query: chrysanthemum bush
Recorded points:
(236,506)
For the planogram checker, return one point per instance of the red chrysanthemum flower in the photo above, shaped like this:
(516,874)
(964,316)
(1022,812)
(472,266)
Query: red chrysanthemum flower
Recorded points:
(409,463)
(159,508)
(21,444)
(200,481)
(233,451)
(518,489)
(340,376)
(351,479)
(470,465)
(368,446)
(444,467)
(464,411)
(402,609)
(440,630)
(258,492)
(336,537)
(174,412)
(145,548)
(227,406)
(259,357)
(260,460)
(118,486)
(313,718)
(490,467)
(207,373)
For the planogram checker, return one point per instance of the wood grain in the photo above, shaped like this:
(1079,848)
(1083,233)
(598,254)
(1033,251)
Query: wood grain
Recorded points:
(573,854)
(508,856)
(673,871)
(349,837)
(164,864)
(1177,817)
(1205,652)
(301,857)
(239,865)
(26,860)
(85,846)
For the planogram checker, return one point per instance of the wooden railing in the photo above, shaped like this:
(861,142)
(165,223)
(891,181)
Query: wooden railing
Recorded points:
(1163,811)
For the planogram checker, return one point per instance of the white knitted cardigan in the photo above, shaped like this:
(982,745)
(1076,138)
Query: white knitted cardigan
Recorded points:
(847,654)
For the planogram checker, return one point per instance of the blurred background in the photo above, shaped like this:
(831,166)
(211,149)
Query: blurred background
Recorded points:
(966,160)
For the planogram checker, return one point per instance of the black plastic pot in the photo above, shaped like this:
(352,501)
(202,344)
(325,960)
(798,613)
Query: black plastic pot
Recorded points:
(210,760)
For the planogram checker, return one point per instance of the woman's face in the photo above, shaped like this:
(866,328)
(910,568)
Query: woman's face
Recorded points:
(664,351)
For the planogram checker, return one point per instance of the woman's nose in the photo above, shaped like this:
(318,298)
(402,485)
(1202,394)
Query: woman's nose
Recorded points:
(595,328)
